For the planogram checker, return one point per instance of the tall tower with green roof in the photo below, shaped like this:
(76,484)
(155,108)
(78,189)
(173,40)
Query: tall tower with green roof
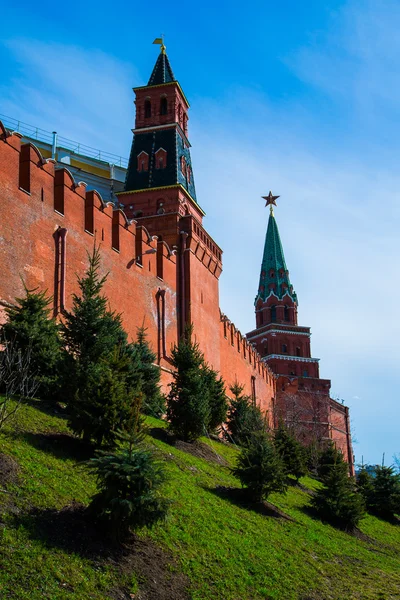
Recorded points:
(283,344)
(160,178)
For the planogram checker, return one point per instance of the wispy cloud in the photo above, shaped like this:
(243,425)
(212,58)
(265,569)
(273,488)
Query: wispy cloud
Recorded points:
(83,93)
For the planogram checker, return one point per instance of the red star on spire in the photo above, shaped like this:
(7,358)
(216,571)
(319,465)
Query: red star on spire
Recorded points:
(270,199)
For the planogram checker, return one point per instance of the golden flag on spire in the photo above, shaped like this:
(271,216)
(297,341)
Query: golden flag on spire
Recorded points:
(160,41)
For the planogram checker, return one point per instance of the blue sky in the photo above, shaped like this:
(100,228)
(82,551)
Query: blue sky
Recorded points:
(300,98)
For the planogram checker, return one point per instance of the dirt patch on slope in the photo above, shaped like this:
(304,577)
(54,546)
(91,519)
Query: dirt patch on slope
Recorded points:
(9,470)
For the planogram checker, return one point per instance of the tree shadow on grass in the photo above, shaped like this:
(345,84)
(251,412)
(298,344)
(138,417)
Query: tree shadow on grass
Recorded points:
(61,445)
(73,530)
(50,408)
(239,497)
(353,531)
(197,448)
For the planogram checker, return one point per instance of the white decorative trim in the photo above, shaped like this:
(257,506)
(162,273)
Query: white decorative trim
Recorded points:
(281,331)
(287,357)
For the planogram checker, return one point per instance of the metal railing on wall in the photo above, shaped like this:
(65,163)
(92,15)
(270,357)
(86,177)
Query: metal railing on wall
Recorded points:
(36,133)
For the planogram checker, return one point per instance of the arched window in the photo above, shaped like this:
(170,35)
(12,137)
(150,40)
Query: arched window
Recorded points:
(287,317)
(147,109)
(163,106)
(143,161)
(273,313)
(284,349)
(305,373)
(260,318)
(161,158)
(183,165)
(298,351)
(160,206)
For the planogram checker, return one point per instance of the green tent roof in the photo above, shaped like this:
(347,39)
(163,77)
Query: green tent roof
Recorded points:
(274,277)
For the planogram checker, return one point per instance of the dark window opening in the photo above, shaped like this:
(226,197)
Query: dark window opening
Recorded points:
(163,106)
(147,109)
(287,318)
(298,351)
(253,389)
(305,373)
(273,314)
(59,271)
(284,348)
(161,341)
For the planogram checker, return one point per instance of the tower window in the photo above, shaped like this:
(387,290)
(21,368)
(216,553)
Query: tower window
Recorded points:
(147,109)
(163,106)
(161,158)
(305,373)
(284,349)
(143,162)
(260,318)
(298,351)
(183,165)
(287,318)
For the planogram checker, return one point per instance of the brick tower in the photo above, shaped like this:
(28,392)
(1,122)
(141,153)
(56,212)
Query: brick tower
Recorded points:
(284,344)
(160,195)
(302,398)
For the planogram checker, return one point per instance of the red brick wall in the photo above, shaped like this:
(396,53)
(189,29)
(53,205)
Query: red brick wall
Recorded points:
(240,362)
(50,200)
(27,246)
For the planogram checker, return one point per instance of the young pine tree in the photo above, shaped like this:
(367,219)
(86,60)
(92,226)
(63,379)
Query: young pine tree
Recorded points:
(101,370)
(217,401)
(187,402)
(153,399)
(129,482)
(243,418)
(385,497)
(291,452)
(31,329)
(329,457)
(365,486)
(338,501)
(260,468)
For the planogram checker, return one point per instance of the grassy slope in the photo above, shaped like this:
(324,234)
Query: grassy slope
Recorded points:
(228,552)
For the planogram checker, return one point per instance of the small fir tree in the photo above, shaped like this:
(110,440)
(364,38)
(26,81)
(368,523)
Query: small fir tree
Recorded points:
(260,468)
(101,370)
(188,409)
(243,418)
(153,399)
(385,498)
(102,404)
(338,501)
(290,451)
(129,482)
(31,329)
(328,457)
(217,400)
(365,486)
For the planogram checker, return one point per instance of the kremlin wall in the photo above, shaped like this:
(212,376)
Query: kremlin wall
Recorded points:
(163,267)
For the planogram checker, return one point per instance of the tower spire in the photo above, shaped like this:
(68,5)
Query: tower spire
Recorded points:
(274,276)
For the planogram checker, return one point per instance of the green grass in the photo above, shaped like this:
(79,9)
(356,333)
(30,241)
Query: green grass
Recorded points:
(227,551)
